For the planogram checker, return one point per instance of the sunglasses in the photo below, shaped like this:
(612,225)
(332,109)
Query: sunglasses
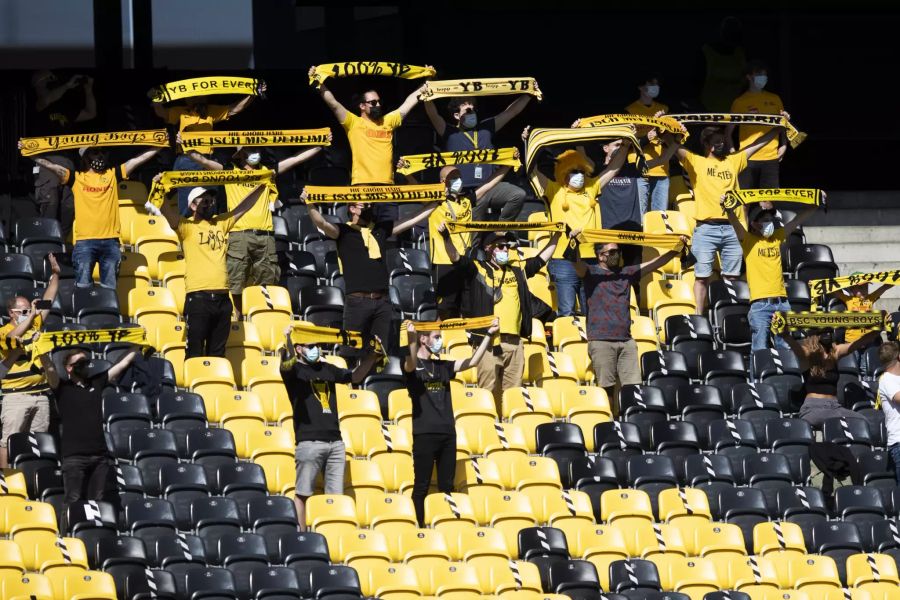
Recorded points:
(372,102)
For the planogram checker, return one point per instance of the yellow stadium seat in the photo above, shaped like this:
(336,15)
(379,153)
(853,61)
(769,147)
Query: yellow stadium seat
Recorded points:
(133,274)
(496,577)
(400,408)
(151,227)
(518,471)
(673,221)
(418,546)
(644,333)
(243,343)
(587,406)
(132,193)
(475,471)
(474,401)
(151,247)
(391,581)
(209,376)
(505,511)
(560,507)
(860,572)
(568,328)
(155,310)
(11,560)
(174,353)
(77,584)
(360,548)
(471,438)
(876,591)
(127,214)
(543,288)
(25,586)
(669,297)
(525,402)
(170,262)
(252,436)
(357,403)
(739,573)
(577,350)
(396,471)
(455,337)
(14,486)
(683,503)
(269,309)
(693,575)
(265,368)
(280,468)
(331,514)
(716,538)
(581,535)
(174,281)
(465,544)
(461,352)
(645,539)
(766,538)
(236,405)
(443,515)
(28,516)
(450,578)
(673,267)
(364,475)
(811,573)
(556,374)
(362,437)
(610,548)
(630,506)
(43,552)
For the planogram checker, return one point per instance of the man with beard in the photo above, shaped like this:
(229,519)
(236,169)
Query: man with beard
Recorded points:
(203,237)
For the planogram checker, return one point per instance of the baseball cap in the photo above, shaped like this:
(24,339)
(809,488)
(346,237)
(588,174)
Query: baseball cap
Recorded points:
(196,193)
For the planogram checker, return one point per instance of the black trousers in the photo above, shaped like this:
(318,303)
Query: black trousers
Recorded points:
(430,449)
(760,174)
(54,199)
(208,317)
(370,317)
(447,288)
(89,477)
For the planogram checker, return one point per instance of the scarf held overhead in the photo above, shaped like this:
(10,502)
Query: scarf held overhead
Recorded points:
(794,136)
(495,86)
(206,86)
(158,138)
(352,69)
(51,340)
(304,334)
(810,196)
(281,137)
(316,194)
(455,324)
(490,156)
(666,241)
(178,179)
(539,138)
(485,226)
(663,123)
(820,287)
(793,321)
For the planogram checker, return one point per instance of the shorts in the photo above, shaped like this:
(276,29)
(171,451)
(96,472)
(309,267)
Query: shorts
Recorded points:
(20,413)
(710,238)
(612,361)
(314,457)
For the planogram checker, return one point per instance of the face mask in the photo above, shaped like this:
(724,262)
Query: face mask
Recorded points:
(719,150)
(367,215)
(98,164)
(470,120)
(206,212)
(501,257)
(375,112)
(652,91)
(613,260)
(455,186)
(768,229)
(576,181)
(253,159)
(21,318)
(760,81)
(80,368)
(826,339)
(436,345)
(311,355)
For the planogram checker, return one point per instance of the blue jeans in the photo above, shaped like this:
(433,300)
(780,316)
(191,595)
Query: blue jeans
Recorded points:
(760,316)
(184,163)
(653,193)
(710,238)
(87,253)
(568,286)
(894,451)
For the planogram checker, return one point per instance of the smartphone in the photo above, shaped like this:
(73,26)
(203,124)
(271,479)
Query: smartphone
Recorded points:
(43,304)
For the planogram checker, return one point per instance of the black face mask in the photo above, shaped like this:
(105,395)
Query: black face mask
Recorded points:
(206,212)
(81,368)
(375,112)
(719,150)
(367,215)
(826,339)
(98,163)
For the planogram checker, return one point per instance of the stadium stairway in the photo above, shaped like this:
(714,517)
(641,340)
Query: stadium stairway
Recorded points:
(863,231)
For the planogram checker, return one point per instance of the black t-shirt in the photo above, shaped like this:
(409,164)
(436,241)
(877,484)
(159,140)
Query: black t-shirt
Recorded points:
(456,140)
(311,390)
(361,273)
(620,205)
(81,417)
(60,117)
(429,389)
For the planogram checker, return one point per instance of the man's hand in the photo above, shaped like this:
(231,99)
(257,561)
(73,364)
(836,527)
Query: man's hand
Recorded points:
(288,330)
(74,81)
(312,71)
(303,196)
(494,328)
(330,137)
(576,123)
(659,113)
(20,145)
(402,163)
(684,239)
(525,133)
(54,266)
(410,328)
(651,135)
(157,177)
(575,233)
(178,138)
(785,114)
(263,87)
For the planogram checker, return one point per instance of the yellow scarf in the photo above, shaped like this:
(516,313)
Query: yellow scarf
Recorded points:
(820,287)
(157,138)
(51,340)
(369,240)
(178,179)
(663,123)
(795,137)
(282,137)
(484,226)
(793,321)
(666,241)
(812,197)
(539,138)
(455,324)
(305,333)
(490,156)
(495,86)
(206,86)
(351,69)
(316,194)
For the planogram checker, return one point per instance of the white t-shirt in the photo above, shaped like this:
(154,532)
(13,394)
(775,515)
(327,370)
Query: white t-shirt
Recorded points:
(888,387)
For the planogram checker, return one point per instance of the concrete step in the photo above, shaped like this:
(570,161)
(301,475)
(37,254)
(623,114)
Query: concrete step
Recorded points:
(862,199)
(855,217)
(834,235)
(863,251)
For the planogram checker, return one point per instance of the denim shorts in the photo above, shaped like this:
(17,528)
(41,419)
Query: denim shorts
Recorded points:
(710,238)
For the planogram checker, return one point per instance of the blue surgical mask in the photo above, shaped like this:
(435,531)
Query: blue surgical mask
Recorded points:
(501,257)
(576,181)
(311,355)
(768,229)
(436,345)
(456,185)
(253,159)
(652,91)
(470,120)
(760,81)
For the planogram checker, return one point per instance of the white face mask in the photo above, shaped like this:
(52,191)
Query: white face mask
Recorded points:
(576,181)
(21,318)
(760,81)
(456,185)
(652,91)
(436,345)
(311,355)
(253,159)
(768,229)
(501,257)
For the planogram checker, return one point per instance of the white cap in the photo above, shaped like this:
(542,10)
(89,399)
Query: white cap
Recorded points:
(196,193)
(82,150)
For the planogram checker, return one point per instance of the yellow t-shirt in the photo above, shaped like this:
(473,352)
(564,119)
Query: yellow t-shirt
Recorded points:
(97,203)
(855,304)
(763,258)
(711,178)
(450,210)
(654,149)
(188,120)
(260,216)
(204,244)
(508,310)
(372,147)
(26,374)
(583,210)
(763,103)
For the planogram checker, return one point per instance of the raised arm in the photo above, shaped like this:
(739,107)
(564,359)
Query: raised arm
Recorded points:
(241,104)
(301,157)
(615,165)
(117,369)
(46,97)
(331,102)
(364,366)
(437,121)
(206,162)
(171,216)
(580,266)
(52,285)
(671,146)
(842,350)
(511,111)
(132,164)
(761,141)
(797,221)
(452,254)
(412,338)
(248,202)
(61,172)
(491,183)
(467,363)
(547,251)
(736,224)
(161,111)
(879,292)
(797,348)
(414,220)
(410,102)
(654,264)
(50,371)
(329,229)
(90,102)
(539,181)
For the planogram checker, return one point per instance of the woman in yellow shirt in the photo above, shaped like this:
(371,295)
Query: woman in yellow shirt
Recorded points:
(858,299)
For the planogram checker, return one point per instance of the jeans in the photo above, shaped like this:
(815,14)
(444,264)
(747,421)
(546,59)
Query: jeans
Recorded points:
(653,193)
(760,317)
(87,253)
(428,450)
(894,452)
(508,197)
(568,287)
(710,238)
(208,318)
(184,163)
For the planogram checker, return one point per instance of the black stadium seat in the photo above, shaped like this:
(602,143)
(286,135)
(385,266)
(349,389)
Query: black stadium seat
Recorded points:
(209,583)
(150,517)
(542,542)
(675,438)
(562,442)
(334,580)
(181,411)
(667,370)
(699,404)
(723,369)
(138,585)
(180,484)
(277,583)
(271,516)
(241,481)
(241,553)
(691,335)
(574,578)
(211,448)
(634,575)
(643,405)
(214,517)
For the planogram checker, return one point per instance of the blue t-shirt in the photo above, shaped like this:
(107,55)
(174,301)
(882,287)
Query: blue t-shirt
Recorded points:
(456,140)
(620,205)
